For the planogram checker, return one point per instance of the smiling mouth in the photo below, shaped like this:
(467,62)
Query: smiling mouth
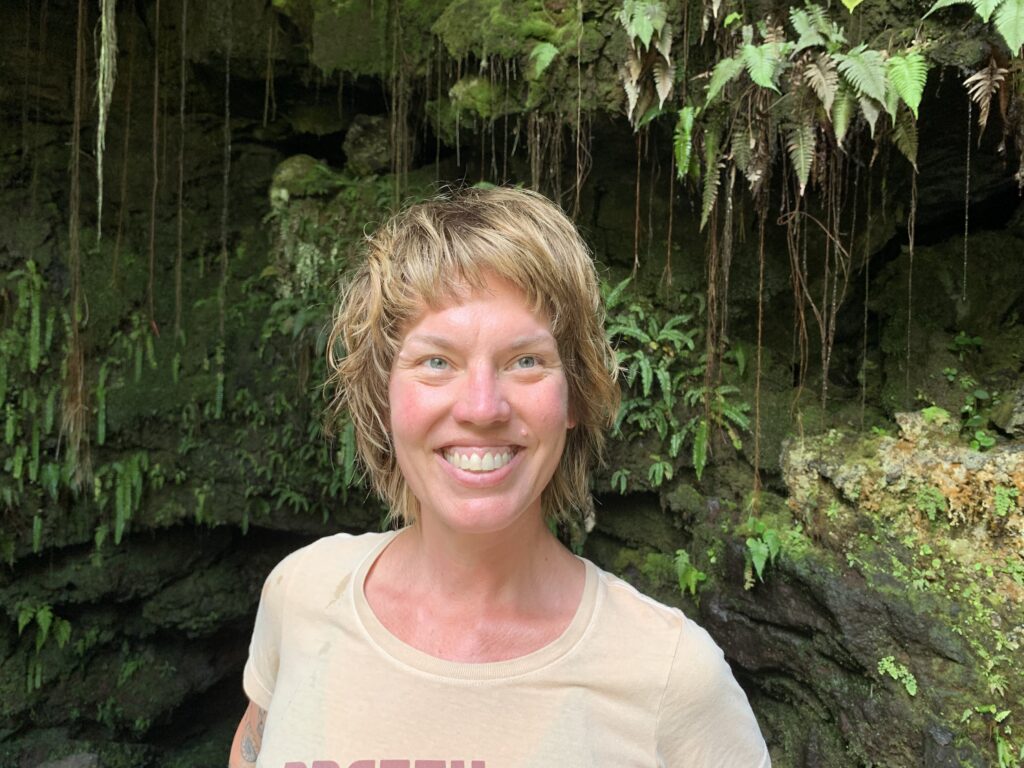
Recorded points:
(479,460)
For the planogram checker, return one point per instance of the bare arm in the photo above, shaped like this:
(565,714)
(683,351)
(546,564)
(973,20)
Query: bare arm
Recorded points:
(248,738)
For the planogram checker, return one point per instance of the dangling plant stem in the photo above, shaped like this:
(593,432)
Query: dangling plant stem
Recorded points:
(124,157)
(967,200)
(155,186)
(269,97)
(73,402)
(867,295)
(911,226)
(225,185)
(757,368)
(105,76)
(666,273)
(179,255)
(636,211)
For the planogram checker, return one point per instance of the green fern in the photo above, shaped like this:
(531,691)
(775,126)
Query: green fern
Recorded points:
(904,136)
(741,146)
(1009,22)
(809,34)
(945,4)
(712,177)
(864,69)
(683,140)
(800,144)
(724,72)
(763,63)
(907,75)
(700,447)
(984,8)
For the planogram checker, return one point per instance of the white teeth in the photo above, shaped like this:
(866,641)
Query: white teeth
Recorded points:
(474,462)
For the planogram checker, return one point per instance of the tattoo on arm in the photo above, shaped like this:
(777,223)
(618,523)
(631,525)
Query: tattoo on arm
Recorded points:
(252,738)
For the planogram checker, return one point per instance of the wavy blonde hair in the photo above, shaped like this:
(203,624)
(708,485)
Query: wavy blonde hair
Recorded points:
(421,258)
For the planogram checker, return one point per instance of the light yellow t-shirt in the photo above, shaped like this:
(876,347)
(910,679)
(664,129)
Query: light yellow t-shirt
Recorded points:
(631,683)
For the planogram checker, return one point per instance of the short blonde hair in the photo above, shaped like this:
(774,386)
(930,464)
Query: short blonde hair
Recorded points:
(419,259)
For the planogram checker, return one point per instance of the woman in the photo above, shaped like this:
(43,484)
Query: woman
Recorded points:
(480,382)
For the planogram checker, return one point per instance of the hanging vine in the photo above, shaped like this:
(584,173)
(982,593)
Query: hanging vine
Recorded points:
(106,72)
(74,409)
(155,172)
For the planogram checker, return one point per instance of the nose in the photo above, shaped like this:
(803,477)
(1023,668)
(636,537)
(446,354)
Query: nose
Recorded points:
(482,399)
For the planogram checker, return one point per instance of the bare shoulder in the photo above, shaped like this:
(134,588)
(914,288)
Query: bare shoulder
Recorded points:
(245,748)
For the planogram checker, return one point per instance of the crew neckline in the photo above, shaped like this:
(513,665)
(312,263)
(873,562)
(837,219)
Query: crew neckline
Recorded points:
(405,654)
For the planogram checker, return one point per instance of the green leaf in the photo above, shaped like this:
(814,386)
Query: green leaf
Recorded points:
(984,8)
(842,111)
(62,632)
(683,140)
(805,28)
(26,613)
(851,5)
(712,176)
(700,447)
(646,375)
(865,70)
(945,4)
(1009,22)
(762,63)
(800,141)
(542,55)
(611,300)
(724,72)
(908,74)
(642,19)
(758,552)
(44,617)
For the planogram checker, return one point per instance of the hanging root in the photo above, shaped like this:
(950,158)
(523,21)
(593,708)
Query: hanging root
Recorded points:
(73,402)
(106,72)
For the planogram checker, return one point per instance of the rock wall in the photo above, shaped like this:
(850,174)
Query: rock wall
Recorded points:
(129,596)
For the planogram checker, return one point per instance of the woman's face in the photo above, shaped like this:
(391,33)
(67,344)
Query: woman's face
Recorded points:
(479,410)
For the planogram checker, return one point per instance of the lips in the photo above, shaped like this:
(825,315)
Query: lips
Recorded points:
(479,460)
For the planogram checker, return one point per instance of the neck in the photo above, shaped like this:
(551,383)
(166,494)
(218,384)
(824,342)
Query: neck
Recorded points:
(514,569)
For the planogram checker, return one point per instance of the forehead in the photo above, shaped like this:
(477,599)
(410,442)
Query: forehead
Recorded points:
(497,305)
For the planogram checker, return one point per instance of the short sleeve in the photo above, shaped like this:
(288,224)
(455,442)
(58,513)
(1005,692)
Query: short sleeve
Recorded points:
(705,720)
(261,667)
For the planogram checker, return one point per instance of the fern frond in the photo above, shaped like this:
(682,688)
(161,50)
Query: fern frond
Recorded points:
(904,135)
(1009,22)
(809,36)
(842,111)
(712,175)
(871,109)
(982,86)
(984,8)
(823,79)
(800,144)
(724,72)
(741,145)
(865,70)
(683,140)
(945,4)
(632,88)
(762,63)
(663,76)
(907,76)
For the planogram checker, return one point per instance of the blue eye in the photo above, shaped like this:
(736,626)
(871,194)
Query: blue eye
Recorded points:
(437,363)
(527,361)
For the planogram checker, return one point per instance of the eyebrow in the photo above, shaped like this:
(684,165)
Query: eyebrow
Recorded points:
(516,344)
